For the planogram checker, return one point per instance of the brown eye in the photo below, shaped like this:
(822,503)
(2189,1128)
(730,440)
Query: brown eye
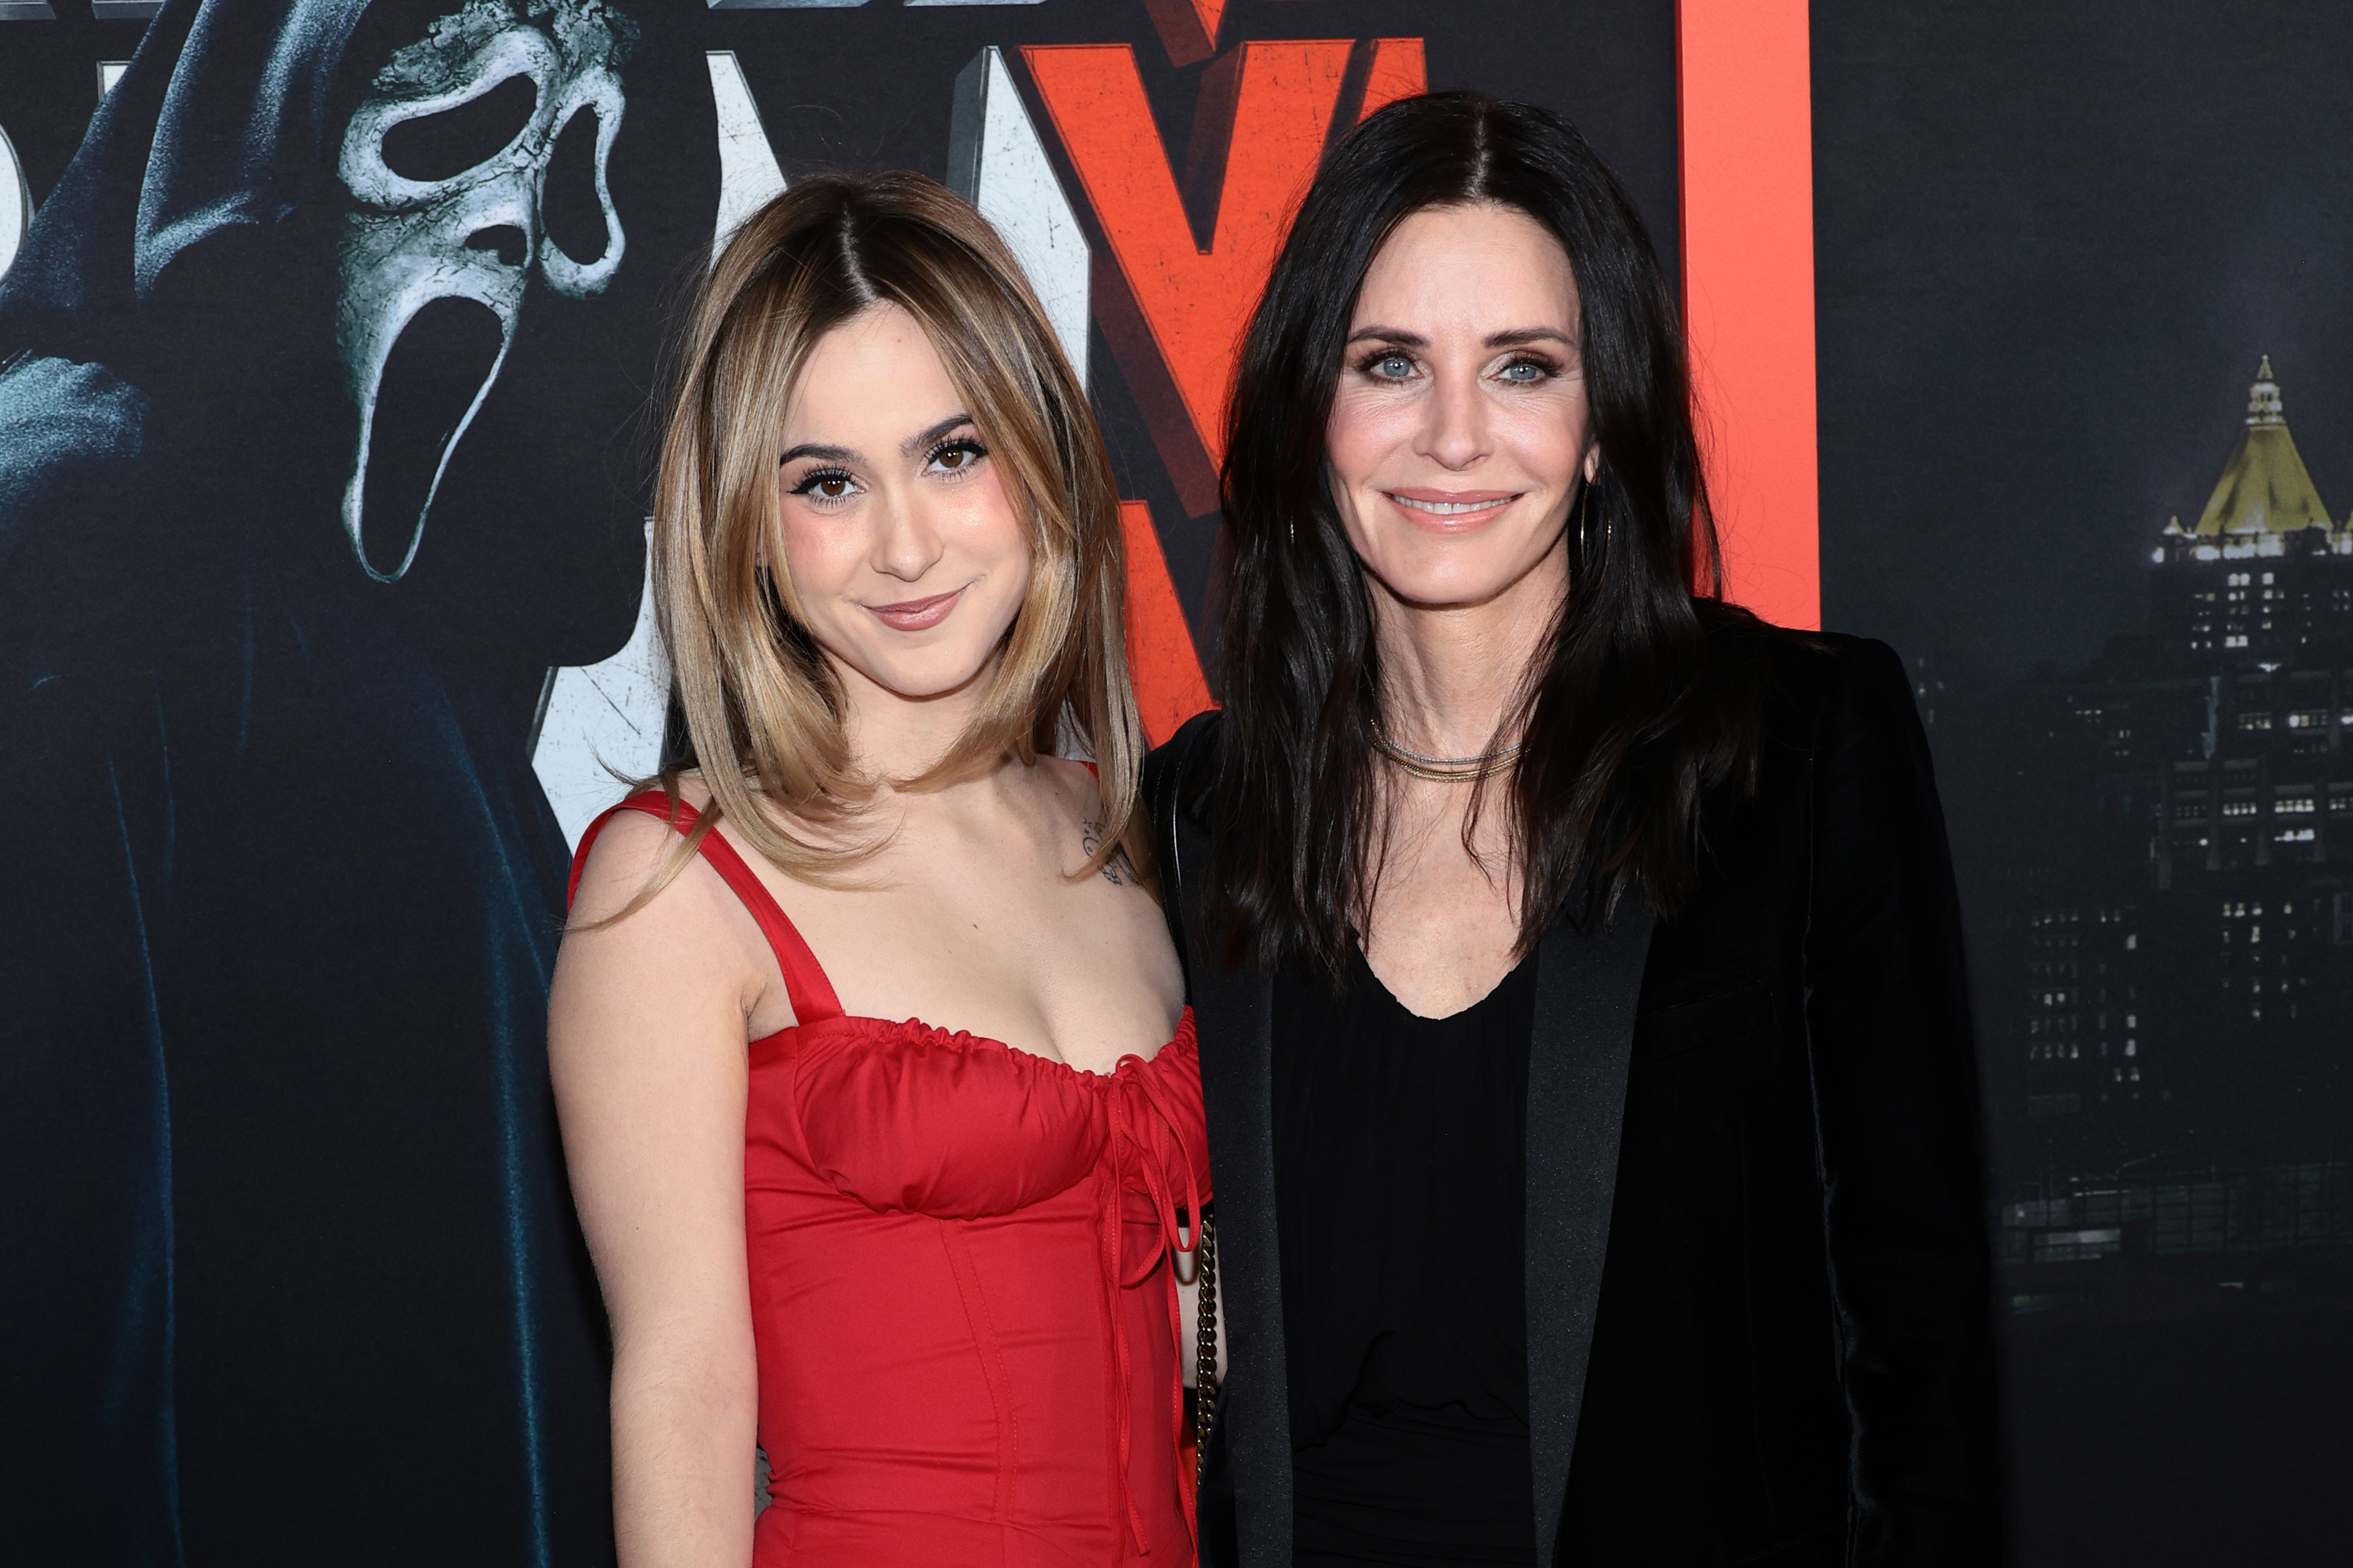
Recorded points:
(956,457)
(827,486)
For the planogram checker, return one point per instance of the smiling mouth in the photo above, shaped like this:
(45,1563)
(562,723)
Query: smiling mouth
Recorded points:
(1452,509)
(916,615)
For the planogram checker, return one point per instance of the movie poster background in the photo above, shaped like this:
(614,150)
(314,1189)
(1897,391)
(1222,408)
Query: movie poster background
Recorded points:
(322,457)
(2059,246)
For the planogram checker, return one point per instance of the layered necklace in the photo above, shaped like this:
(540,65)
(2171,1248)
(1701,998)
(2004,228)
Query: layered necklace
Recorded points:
(1445,770)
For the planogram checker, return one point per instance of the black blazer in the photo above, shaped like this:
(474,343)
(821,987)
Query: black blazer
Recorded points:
(1758,1290)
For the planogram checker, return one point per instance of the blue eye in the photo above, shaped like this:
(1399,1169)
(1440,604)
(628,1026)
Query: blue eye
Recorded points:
(1525,371)
(1395,367)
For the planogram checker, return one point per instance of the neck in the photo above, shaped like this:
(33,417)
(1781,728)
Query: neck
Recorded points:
(892,736)
(1452,674)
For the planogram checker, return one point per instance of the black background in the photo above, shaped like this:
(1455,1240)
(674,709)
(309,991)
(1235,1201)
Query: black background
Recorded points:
(2052,241)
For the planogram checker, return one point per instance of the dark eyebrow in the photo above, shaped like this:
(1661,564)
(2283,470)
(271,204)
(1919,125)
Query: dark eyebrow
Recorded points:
(1519,335)
(1512,339)
(923,440)
(823,454)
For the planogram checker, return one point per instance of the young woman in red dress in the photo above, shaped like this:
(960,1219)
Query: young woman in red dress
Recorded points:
(879,1094)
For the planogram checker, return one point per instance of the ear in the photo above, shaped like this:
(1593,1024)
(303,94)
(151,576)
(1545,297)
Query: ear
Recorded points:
(1592,462)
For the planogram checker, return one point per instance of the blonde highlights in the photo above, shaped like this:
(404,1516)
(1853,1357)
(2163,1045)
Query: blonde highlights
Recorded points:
(762,710)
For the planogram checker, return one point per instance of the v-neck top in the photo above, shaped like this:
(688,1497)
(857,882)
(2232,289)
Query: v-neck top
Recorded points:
(1401,1182)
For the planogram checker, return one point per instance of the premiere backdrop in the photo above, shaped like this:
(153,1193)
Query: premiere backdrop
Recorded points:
(2087,348)
(323,368)
(327,333)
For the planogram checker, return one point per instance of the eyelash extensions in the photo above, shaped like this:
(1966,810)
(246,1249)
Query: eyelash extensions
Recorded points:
(809,484)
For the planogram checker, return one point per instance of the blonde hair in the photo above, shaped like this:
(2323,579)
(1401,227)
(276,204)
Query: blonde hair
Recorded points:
(762,710)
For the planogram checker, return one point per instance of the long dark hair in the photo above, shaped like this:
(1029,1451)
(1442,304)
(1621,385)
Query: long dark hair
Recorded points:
(1643,704)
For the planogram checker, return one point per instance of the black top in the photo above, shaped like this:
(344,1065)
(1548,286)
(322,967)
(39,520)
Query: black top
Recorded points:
(1752,1172)
(1400,1181)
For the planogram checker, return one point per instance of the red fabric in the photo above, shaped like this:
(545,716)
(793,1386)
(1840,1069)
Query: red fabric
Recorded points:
(966,1317)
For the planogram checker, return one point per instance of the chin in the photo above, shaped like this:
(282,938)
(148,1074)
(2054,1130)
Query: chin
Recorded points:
(1448,588)
(924,679)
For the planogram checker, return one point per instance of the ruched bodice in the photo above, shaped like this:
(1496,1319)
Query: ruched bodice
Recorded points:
(963,1305)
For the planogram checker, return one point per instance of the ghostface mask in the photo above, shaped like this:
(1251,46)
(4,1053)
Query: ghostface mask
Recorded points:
(462,244)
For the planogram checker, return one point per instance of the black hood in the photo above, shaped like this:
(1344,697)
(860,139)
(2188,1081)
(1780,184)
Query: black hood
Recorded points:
(399,263)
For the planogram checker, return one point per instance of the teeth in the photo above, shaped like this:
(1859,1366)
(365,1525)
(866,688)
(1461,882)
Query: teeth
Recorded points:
(1447,508)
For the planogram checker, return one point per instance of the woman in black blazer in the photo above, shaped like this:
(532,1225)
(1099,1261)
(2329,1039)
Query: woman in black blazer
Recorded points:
(1574,957)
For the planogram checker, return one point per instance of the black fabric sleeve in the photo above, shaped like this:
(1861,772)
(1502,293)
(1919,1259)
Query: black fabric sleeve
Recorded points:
(1171,775)
(1896,1088)
(86,1231)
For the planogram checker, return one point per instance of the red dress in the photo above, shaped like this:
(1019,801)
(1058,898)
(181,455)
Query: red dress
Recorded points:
(963,1309)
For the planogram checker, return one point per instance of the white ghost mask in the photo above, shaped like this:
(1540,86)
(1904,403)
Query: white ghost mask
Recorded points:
(404,243)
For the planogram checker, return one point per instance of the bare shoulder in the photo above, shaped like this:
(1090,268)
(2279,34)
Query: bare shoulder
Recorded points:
(1078,796)
(655,922)
(634,850)
(630,853)
(1072,783)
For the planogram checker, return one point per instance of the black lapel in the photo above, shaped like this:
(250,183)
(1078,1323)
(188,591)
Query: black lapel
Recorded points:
(1586,988)
(1233,1017)
(1234,1013)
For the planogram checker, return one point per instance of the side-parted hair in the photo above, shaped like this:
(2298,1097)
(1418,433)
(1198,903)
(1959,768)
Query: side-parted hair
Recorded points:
(1641,701)
(761,710)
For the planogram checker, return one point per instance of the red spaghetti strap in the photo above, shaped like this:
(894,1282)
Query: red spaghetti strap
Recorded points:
(804,983)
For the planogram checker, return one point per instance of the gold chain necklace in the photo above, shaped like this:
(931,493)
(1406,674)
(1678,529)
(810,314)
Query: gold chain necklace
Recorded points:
(1443,770)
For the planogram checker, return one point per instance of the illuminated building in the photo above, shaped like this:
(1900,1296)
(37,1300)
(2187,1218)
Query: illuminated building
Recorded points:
(2166,946)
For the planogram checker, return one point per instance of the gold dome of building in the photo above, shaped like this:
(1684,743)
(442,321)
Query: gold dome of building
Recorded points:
(2265,492)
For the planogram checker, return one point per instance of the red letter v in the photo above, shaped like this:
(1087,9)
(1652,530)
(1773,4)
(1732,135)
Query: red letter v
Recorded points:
(1185,308)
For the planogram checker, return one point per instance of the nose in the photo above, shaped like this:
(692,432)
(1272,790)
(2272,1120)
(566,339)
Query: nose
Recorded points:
(907,543)
(1454,421)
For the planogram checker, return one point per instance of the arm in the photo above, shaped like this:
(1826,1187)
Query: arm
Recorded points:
(646,1034)
(1895,1087)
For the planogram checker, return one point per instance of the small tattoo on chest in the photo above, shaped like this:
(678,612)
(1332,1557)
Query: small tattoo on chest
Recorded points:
(1091,834)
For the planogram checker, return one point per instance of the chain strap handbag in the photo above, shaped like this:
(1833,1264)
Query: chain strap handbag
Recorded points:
(1204,1350)
(1204,1343)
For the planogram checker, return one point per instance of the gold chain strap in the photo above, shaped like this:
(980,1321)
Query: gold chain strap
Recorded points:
(1205,1365)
